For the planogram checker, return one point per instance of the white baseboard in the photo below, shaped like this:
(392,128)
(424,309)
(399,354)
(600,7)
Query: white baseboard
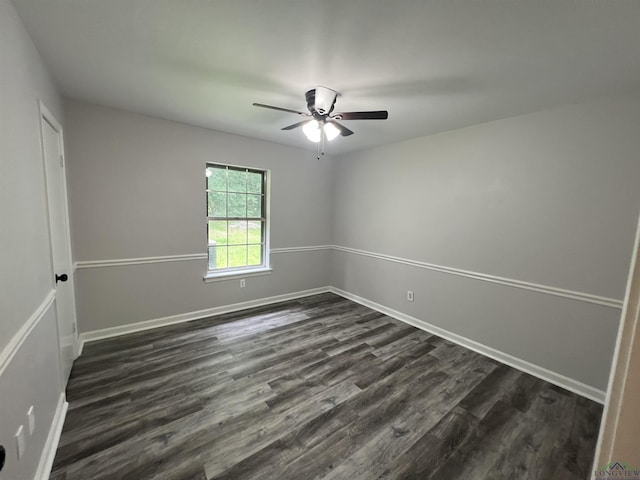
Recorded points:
(187,317)
(555,378)
(552,377)
(51,445)
(78,345)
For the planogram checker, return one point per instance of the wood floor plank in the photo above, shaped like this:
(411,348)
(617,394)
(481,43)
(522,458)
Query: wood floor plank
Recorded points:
(273,460)
(423,410)
(489,390)
(583,435)
(527,456)
(476,456)
(434,448)
(361,416)
(313,388)
(216,462)
(416,337)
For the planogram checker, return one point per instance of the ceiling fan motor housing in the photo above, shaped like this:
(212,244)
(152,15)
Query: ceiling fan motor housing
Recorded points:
(321,100)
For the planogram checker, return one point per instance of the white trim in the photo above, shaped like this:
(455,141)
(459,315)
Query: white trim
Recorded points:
(187,317)
(310,248)
(51,445)
(509,282)
(546,289)
(51,119)
(621,359)
(140,261)
(234,274)
(179,258)
(567,383)
(77,346)
(9,351)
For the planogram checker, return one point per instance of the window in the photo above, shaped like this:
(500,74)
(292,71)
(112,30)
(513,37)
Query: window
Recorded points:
(236,219)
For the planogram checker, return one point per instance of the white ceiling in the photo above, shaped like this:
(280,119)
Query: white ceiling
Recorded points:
(434,65)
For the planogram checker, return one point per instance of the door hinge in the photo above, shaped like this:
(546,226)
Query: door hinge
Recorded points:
(74,328)
(61,160)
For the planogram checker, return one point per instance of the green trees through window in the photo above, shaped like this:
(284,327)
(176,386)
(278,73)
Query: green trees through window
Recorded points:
(236,217)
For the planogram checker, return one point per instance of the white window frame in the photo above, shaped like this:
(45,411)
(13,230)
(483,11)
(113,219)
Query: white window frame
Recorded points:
(265,268)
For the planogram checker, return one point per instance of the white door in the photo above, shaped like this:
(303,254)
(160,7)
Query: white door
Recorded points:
(62,274)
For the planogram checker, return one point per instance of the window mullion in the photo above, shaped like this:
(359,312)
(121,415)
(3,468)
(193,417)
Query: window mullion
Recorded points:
(246,220)
(249,219)
(227,213)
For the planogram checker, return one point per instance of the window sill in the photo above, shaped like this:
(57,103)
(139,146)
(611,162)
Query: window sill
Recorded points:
(230,275)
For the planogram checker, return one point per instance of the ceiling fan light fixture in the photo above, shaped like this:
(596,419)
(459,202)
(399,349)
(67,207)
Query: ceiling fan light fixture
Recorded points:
(321,123)
(331,131)
(312,131)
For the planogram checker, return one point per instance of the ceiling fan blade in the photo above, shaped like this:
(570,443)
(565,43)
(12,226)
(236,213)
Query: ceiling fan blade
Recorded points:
(295,125)
(344,131)
(373,115)
(280,109)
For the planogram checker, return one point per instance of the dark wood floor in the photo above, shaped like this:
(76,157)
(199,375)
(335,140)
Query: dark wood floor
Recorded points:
(318,388)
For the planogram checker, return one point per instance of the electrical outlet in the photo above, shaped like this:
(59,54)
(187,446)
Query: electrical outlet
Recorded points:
(31,420)
(21,443)
(410,295)
(242,283)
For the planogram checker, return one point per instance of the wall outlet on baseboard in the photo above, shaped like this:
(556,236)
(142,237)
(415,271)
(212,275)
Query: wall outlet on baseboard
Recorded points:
(243,283)
(410,295)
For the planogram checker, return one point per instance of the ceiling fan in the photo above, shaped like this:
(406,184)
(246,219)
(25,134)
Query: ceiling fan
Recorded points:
(321,122)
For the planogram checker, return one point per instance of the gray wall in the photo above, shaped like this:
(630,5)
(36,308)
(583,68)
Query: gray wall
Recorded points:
(136,190)
(549,198)
(29,367)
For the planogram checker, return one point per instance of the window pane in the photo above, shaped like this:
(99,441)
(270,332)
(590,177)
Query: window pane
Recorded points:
(237,181)
(218,232)
(217,204)
(211,251)
(254,232)
(218,179)
(237,205)
(254,182)
(254,206)
(254,253)
(237,232)
(234,195)
(237,256)
(220,256)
